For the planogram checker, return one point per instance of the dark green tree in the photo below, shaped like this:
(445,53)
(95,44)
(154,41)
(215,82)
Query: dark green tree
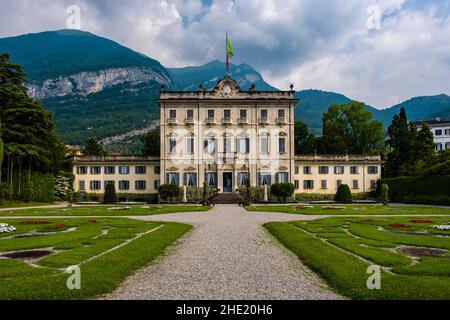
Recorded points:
(93,148)
(399,143)
(349,127)
(305,142)
(282,191)
(343,195)
(110,196)
(152,143)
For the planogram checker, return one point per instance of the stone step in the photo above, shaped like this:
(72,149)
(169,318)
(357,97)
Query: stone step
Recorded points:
(226,198)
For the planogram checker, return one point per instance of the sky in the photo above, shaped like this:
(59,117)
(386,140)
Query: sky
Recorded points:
(380,52)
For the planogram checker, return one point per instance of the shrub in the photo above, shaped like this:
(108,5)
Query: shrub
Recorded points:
(282,190)
(343,195)
(385,194)
(169,192)
(110,194)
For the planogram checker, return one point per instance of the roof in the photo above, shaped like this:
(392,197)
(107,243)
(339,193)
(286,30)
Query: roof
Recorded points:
(436,122)
(337,158)
(122,159)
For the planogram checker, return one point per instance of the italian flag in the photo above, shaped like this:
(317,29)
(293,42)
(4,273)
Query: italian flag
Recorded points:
(230,53)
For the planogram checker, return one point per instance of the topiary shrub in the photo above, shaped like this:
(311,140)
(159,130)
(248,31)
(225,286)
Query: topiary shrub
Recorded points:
(169,192)
(385,194)
(282,191)
(110,194)
(343,195)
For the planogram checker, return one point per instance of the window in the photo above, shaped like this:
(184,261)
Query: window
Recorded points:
(296,170)
(264,179)
(243,145)
(339,170)
(338,183)
(124,185)
(438,132)
(82,185)
(190,145)
(282,177)
(173,114)
(282,145)
(355,184)
(173,146)
(308,184)
(438,146)
(210,145)
(156,184)
(447,145)
(96,185)
(447,132)
(323,184)
(124,170)
(242,178)
(297,184)
(372,170)
(211,114)
(243,113)
(226,145)
(353,170)
(141,169)
(110,170)
(211,179)
(141,185)
(227,114)
(307,170)
(81,170)
(108,182)
(324,170)
(264,145)
(373,184)
(264,114)
(189,113)
(190,179)
(96,170)
(281,113)
(157,170)
(173,178)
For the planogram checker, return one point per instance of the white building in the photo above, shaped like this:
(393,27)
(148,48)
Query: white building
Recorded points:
(441,132)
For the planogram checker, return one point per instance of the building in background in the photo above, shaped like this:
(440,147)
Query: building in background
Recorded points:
(441,132)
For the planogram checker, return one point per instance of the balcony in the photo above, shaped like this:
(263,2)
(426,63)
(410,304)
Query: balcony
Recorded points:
(172,121)
(226,121)
(281,121)
(263,121)
(189,121)
(243,121)
(210,121)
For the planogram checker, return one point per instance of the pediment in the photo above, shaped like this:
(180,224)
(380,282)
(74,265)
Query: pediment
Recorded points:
(227,88)
(190,169)
(283,168)
(172,169)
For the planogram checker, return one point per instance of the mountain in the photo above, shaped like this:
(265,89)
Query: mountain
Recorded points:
(94,86)
(190,78)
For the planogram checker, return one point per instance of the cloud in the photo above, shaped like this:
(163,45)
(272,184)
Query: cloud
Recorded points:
(322,44)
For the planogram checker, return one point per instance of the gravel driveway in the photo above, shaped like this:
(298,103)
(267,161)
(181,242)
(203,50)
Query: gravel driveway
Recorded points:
(228,255)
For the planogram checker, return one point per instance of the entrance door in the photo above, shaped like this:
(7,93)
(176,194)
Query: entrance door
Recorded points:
(228,182)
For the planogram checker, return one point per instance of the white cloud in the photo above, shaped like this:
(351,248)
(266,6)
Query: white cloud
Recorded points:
(320,44)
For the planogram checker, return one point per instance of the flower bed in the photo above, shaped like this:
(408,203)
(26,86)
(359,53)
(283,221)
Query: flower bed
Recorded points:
(444,227)
(34,222)
(55,227)
(6,228)
(119,208)
(92,221)
(332,208)
(421,221)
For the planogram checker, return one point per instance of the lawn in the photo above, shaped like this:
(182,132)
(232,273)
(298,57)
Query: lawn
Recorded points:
(15,204)
(107,250)
(414,257)
(353,209)
(101,210)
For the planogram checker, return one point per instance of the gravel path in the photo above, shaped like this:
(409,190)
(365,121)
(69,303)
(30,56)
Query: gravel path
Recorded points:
(228,255)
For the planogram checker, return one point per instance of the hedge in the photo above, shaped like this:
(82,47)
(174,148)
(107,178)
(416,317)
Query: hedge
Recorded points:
(421,190)
(43,186)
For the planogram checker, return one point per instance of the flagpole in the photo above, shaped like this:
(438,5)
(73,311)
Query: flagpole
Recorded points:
(226,50)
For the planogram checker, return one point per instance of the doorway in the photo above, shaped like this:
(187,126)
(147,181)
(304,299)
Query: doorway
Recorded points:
(227,182)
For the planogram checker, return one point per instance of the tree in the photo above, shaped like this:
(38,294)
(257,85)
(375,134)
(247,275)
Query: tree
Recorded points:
(385,194)
(110,194)
(152,142)
(349,127)
(305,143)
(169,192)
(282,190)
(343,195)
(93,148)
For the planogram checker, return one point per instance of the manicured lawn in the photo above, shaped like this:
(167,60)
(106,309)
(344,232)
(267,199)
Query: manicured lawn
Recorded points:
(414,257)
(101,210)
(79,242)
(15,204)
(354,209)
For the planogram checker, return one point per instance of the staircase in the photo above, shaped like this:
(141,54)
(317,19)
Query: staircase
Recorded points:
(226,198)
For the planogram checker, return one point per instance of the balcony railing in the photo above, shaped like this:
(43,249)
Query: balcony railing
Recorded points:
(189,121)
(243,121)
(172,121)
(226,121)
(281,120)
(263,120)
(210,121)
